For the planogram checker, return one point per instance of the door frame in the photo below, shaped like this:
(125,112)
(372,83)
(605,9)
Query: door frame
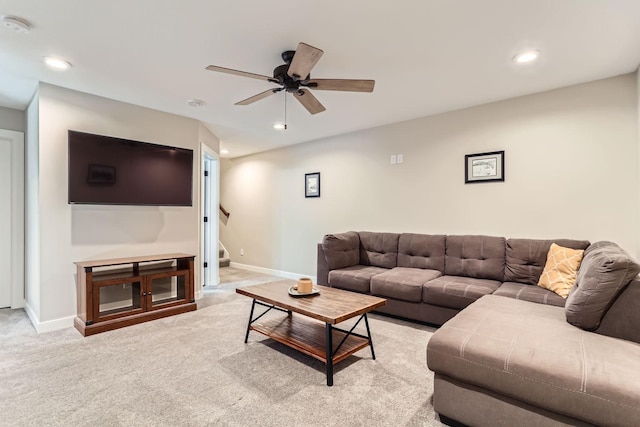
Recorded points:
(16,276)
(210,200)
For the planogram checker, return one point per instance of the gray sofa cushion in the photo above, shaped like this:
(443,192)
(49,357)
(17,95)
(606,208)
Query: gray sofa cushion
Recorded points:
(605,270)
(341,250)
(480,257)
(402,283)
(525,258)
(529,352)
(455,291)
(355,278)
(530,293)
(421,251)
(379,249)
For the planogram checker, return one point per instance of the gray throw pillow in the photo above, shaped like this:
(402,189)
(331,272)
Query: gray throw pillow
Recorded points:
(605,270)
(341,250)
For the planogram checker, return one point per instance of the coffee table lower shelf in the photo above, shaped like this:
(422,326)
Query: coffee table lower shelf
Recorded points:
(309,337)
(308,325)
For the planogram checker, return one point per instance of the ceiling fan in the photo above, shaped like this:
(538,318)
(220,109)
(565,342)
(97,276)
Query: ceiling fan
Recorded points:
(293,76)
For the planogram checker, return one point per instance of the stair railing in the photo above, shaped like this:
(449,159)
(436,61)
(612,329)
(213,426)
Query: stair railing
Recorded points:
(224,211)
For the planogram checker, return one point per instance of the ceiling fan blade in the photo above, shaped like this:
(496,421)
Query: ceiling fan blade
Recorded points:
(258,97)
(303,61)
(309,101)
(341,84)
(238,73)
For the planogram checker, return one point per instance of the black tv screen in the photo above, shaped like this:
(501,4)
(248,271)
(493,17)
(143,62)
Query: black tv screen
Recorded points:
(104,170)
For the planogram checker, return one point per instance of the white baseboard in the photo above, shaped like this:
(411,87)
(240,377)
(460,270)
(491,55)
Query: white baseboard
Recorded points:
(269,271)
(49,325)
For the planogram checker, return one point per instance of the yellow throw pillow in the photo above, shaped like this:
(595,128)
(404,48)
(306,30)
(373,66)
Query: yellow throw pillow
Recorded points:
(561,269)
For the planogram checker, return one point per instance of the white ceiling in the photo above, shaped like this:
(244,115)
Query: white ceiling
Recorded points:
(427,56)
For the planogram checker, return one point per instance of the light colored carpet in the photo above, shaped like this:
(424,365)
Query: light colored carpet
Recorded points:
(194,369)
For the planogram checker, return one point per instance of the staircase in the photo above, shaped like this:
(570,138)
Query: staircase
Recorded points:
(222,260)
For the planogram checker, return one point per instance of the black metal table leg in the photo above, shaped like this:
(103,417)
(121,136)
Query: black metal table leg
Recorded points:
(366,322)
(269,308)
(329,355)
(246,337)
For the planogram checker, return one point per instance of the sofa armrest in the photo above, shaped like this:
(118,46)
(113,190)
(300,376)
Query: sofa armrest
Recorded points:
(341,250)
(622,320)
(322,268)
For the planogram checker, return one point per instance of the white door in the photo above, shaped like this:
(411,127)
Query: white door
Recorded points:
(12,218)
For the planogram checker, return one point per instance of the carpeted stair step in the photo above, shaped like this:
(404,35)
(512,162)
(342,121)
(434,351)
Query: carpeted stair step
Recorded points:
(222,260)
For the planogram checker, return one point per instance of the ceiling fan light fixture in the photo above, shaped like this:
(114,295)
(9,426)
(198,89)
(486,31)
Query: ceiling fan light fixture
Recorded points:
(294,77)
(57,63)
(526,57)
(280,126)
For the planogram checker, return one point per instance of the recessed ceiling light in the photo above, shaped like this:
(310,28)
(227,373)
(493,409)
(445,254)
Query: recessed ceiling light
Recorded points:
(280,126)
(224,151)
(525,57)
(19,25)
(196,103)
(57,63)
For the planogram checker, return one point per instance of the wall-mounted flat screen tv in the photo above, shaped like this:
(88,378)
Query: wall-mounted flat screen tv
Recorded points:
(104,170)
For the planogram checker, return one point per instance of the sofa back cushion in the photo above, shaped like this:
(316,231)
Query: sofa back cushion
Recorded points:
(341,250)
(421,251)
(605,271)
(480,257)
(526,258)
(379,249)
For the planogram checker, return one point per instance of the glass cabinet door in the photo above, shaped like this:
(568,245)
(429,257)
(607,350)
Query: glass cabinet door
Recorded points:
(113,298)
(166,289)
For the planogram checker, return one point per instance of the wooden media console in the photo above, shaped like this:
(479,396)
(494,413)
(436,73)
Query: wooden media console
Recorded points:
(114,293)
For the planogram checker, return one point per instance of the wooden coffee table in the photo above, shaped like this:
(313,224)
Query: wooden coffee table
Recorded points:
(314,332)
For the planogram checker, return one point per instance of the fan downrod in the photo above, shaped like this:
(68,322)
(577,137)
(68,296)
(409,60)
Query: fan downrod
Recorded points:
(287,56)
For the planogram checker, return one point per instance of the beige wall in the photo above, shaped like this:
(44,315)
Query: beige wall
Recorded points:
(11,119)
(68,233)
(571,171)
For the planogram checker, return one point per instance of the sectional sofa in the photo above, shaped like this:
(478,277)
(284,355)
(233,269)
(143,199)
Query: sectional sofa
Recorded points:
(509,352)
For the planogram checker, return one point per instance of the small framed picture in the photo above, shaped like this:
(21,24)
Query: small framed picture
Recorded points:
(484,167)
(312,184)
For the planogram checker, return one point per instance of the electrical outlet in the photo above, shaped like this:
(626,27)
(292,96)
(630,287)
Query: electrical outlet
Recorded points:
(241,252)
(393,159)
(399,157)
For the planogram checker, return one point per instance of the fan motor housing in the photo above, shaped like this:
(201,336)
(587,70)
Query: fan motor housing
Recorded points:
(290,84)
(280,73)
